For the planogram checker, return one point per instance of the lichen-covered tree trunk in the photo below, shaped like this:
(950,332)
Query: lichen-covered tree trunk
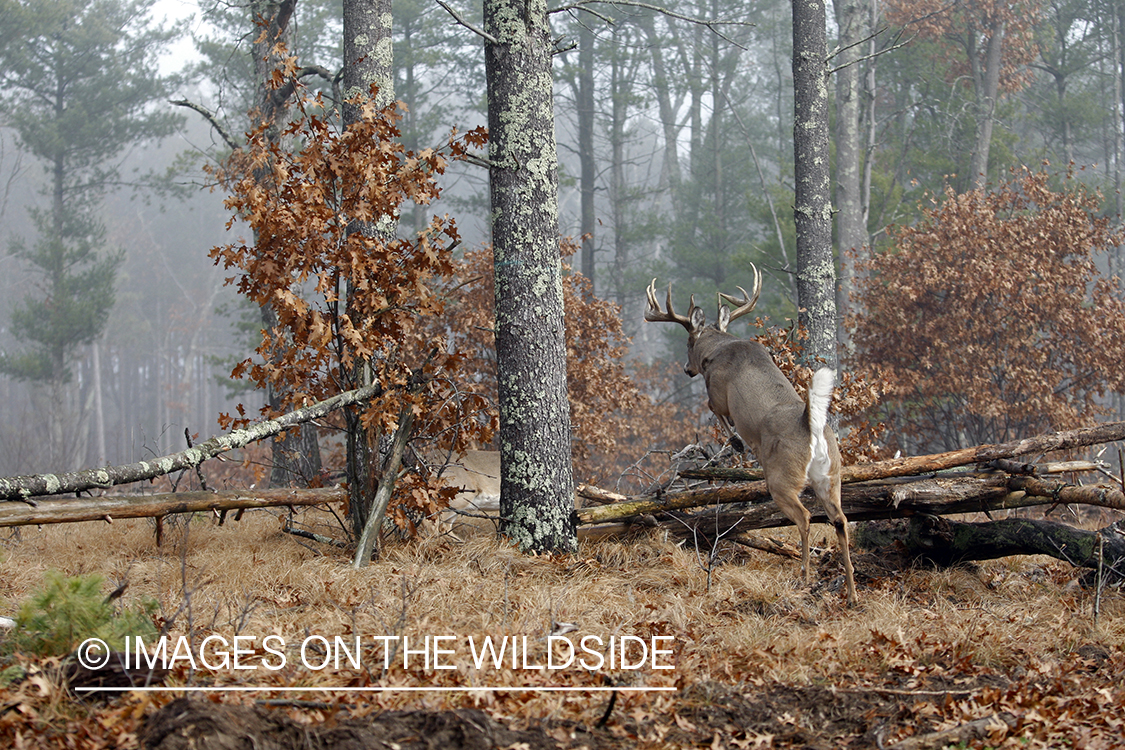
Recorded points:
(816,273)
(368,57)
(851,227)
(537,484)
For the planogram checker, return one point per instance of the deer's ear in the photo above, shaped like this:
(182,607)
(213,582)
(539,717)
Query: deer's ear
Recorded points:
(724,318)
(698,319)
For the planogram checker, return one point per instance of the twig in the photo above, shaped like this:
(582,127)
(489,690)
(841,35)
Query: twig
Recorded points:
(459,19)
(979,729)
(710,25)
(212,118)
(315,537)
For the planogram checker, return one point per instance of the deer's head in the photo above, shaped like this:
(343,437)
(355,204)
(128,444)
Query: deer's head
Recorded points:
(695,322)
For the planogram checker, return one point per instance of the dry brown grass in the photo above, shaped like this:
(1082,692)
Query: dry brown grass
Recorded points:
(754,625)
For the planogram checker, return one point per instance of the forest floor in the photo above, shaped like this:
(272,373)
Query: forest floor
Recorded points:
(1001,654)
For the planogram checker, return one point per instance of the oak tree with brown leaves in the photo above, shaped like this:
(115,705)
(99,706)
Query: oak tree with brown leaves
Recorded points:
(306,256)
(990,319)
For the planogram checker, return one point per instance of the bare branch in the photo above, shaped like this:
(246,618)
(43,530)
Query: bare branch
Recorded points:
(896,44)
(460,19)
(212,118)
(583,5)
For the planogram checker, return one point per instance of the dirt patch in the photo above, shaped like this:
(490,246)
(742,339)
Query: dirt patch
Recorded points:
(200,725)
(780,715)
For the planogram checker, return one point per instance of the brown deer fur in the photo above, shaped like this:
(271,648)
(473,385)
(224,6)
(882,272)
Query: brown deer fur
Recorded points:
(788,435)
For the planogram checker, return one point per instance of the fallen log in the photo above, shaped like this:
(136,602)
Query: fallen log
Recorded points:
(942,542)
(1057,441)
(25,487)
(145,506)
(937,496)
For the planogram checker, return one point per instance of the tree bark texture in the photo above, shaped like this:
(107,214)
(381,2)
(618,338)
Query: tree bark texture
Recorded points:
(537,484)
(368,59)
(25,487)
(851,226)
(816,272)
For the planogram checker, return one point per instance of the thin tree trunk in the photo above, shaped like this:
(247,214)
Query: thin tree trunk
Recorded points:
(851,227)
(537,484)
(25,487)
(987,82)
(816,272)
(368,55)
(588,165)
(99,412)
(294,456)
(670,172)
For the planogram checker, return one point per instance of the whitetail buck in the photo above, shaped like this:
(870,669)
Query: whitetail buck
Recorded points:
(789,437)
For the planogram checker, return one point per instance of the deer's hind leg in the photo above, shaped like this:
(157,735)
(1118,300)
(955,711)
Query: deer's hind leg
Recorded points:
(828,494)
(787,497)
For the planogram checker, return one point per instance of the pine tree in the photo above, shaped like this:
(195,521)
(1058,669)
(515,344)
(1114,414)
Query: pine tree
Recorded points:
(79,79)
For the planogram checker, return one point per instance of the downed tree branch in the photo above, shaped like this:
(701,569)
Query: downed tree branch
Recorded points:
(904,467)
(315,537)
(145,506)
(993,727)
(936,496)
(24,487)
(1057,441)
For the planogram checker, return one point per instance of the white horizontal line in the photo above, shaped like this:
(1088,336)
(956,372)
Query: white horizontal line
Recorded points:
(390,689)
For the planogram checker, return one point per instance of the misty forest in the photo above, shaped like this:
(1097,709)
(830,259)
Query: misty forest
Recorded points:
(419,234)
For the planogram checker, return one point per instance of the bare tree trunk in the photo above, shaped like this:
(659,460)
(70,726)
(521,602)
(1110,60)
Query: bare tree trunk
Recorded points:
(851,226)
(537,483)
(670,172)
(99,411)
(816,272)
(987,84)
(589,167)
(24,487)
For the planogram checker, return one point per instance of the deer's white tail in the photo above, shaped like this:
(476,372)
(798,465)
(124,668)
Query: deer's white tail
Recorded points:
(820,396)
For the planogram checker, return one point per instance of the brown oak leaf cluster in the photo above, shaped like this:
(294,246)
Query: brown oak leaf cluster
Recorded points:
(990,318)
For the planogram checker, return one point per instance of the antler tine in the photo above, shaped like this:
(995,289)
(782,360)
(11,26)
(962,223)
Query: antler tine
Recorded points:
(655,315)
(747,303)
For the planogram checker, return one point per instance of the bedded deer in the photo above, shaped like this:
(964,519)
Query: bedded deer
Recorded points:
(789,436)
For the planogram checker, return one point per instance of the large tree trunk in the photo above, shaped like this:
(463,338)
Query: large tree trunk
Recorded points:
(537,484)
(816,272)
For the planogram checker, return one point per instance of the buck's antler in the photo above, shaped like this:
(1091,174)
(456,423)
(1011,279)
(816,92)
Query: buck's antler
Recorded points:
(655,315)
(747,303)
